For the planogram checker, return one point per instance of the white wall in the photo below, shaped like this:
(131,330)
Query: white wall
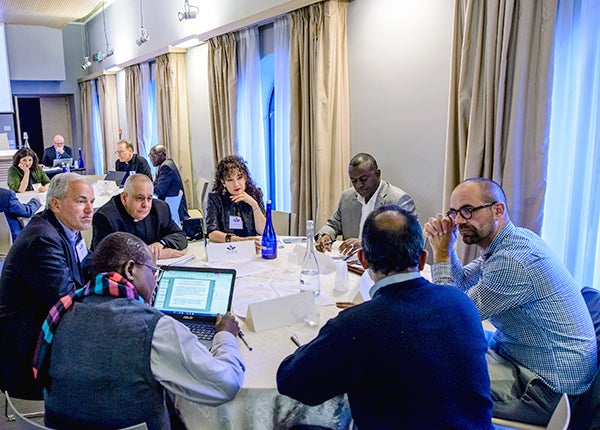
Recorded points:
(399,65)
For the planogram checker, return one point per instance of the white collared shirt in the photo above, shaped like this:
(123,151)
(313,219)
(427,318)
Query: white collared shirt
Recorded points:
(367,207)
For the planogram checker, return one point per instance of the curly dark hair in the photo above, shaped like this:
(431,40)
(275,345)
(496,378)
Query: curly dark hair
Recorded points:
(225,167)
(25,152)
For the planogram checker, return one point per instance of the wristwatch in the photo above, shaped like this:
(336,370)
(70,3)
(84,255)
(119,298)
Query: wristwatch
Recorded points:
(228,237)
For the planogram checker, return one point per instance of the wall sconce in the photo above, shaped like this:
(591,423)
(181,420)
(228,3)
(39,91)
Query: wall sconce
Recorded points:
(189,11)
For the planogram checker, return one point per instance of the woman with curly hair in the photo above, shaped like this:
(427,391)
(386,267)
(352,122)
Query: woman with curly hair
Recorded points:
(235,209)
(25,172)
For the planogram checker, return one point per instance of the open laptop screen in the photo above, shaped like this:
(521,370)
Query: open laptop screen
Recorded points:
(60,161)
(194,292)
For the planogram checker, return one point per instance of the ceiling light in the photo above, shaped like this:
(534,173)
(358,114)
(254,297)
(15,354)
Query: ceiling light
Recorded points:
(86,63)
(100,56)
(189,11)
(144,37)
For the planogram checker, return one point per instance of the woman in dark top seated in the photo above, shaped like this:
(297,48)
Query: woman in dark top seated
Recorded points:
(25,172)
(235,207)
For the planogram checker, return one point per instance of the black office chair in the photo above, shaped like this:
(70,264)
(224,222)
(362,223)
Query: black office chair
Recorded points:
(586,411)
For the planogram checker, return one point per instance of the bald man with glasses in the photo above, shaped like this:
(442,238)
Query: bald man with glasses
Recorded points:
(135,211)
(544,343)
(56,151)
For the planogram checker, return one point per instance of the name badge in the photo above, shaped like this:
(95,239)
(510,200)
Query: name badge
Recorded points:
(81,249)
(235,222)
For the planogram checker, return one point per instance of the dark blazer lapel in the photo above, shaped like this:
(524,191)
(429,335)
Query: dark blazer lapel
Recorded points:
(71,256)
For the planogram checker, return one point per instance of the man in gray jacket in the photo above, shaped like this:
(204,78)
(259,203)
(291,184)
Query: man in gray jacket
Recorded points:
(368,192)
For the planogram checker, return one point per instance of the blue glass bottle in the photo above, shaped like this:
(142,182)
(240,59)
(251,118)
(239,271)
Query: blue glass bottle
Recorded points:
(269,240)
(80,163)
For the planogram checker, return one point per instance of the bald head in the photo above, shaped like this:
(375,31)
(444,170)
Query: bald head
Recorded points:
(392,241)
(59,143)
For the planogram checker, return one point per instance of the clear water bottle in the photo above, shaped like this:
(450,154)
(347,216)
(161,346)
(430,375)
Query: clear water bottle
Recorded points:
(269,240)
(64,168)
(80,163)
(310,279)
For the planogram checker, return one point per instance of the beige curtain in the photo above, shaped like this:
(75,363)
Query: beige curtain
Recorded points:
(222,83)
(172,116)
(133,105)
(85,88)
(109,118)
(319,122)
(499,101)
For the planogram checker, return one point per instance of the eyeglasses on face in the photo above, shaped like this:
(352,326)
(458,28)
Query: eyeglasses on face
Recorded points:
(467,211)
(141,199)
(154,269)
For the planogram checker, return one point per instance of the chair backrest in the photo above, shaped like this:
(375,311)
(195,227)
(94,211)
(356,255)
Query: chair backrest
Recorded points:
(561,416)
(201,191)
(284,223)
(23,423)
(559,420)
(173,203)
(5,236)
(586,414)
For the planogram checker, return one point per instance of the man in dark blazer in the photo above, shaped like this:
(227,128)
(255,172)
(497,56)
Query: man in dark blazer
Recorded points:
(135,211)
(43,265)
(412,357)
(368,192)
(13,208)
(57,150)
(167,182)
(130,162)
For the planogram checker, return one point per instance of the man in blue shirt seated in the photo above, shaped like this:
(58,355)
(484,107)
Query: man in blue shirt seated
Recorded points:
(545,342)
(135,211)
(13,208)
(109,360)
(413,357)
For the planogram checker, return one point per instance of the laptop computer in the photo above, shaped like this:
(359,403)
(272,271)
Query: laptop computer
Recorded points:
(118,177)
(60,161)
(194,296)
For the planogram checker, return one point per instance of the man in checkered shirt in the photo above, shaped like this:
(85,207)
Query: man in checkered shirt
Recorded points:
(544,343)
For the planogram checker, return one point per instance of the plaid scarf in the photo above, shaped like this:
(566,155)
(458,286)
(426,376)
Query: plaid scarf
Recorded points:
(104,284)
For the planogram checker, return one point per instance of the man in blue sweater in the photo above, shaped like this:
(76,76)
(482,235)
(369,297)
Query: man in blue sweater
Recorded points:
(413,357)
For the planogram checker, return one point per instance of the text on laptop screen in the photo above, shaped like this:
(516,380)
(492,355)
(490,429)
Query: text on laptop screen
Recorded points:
(193,293)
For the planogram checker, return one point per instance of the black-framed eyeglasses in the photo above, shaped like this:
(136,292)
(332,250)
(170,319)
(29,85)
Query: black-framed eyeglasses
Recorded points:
(154,269)
(467,211)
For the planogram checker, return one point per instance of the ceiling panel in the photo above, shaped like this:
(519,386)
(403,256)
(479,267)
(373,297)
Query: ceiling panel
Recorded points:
(49,13)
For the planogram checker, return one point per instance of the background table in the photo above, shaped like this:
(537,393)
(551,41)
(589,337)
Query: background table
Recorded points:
(259,405)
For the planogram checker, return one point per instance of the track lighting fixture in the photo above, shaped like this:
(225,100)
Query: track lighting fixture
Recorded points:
(86,63)
(144,37)
(189,11)
(100,56)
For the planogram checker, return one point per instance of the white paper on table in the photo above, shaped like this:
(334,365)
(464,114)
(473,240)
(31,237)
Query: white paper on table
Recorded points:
(242,268)
(365,285)
(176,261)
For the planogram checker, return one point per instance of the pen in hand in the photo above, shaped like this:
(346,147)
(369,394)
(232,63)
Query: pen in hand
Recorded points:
(241,335)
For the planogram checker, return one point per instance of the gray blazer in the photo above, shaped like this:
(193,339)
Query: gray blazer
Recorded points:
(346,219)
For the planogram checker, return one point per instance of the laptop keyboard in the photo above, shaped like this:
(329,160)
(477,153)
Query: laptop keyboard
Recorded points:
(202,331)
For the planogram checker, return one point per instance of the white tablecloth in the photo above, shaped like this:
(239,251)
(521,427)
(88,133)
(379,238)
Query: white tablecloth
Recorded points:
(259,405)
